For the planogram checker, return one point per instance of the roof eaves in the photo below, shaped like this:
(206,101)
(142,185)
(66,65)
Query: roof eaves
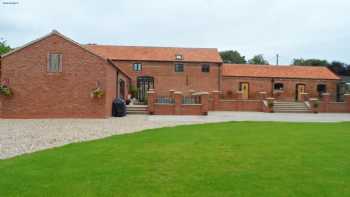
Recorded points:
(53,32)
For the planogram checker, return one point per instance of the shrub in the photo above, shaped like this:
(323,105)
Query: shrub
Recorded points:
(5,90)
(133,91)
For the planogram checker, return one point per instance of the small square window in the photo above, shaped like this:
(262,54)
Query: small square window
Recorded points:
(179,67)
(137,67)
(205,68)
(278,86)
(55,63)
(179,57)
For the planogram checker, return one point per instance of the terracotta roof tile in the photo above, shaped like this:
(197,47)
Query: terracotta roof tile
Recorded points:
(306,72)
(155,53)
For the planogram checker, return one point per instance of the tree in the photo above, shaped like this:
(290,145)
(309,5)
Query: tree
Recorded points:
(310,62)
(258,59)
(338,67)
(233,57)
(4,48)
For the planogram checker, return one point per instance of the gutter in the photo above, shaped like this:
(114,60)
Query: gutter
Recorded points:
(118,69)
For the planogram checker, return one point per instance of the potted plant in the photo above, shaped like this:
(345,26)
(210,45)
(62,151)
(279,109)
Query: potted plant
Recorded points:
(97,93)
(270,105)
(5,90)
(315,106)
(133,91)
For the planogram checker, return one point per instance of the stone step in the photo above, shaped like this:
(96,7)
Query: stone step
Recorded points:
(137,112)
(290,107)
(137,109)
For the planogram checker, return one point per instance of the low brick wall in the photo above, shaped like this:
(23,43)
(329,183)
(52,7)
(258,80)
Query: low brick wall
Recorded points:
(334,107)
(239,105)
(338,107)
(217,104)
(177,107)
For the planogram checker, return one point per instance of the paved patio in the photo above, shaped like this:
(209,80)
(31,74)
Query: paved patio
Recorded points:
(257,116)
(25,136)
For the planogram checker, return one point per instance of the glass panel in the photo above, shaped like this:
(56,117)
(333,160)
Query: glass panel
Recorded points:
(54,62)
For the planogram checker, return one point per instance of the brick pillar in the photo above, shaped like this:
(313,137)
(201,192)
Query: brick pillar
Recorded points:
(304,96)
(262,95)
(216,96)
(204,103)
(191,92)
(178,103)
(347,101)
(151,94)
(171,93)
(326,98)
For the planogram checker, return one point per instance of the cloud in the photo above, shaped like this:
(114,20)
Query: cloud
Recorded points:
(292,28)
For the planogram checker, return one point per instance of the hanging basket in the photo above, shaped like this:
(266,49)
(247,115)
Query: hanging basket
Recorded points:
(5,90)
(97,93)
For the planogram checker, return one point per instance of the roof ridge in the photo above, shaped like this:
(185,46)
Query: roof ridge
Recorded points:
(139,46)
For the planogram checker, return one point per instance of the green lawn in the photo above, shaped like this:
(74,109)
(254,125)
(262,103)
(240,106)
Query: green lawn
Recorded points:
(226,159)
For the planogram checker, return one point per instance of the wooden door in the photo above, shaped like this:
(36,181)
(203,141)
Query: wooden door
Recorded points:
(300,88)
(245,90)
(122,89)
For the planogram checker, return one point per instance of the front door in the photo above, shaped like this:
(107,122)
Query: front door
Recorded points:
(144,83)
(122,89)
(300,88)
(244,88)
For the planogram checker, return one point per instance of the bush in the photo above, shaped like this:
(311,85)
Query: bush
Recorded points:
(270,104)
(133,91)
(5,90)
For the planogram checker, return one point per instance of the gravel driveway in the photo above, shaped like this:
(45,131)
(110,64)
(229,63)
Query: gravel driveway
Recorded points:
(24,136)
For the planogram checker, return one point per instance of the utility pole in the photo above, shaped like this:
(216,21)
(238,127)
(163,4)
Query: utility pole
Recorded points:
(277,58)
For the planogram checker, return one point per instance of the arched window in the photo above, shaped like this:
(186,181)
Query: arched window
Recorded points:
(278,86)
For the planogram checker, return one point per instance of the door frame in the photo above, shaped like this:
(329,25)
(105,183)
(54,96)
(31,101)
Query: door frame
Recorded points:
(141,83)
(297,90)
(240,88)
(121,88)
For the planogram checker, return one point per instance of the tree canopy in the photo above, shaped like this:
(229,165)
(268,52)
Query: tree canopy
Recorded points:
(258,59)
(337,67)
(233,57)
(4,48)
(310,62)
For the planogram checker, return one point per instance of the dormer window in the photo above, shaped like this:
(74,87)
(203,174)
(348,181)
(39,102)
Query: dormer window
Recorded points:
(179,57)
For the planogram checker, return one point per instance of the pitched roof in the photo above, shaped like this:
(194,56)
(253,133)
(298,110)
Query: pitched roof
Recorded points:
(53,32)
(268,71)
(156,53)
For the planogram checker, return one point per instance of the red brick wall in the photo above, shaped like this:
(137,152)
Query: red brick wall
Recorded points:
(239,105)
(257,85)
(39,94)
(165,77)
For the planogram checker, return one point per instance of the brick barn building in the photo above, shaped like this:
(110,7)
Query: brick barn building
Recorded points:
(280,82)
(56,77)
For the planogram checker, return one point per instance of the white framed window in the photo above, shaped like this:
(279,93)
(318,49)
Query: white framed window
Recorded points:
(179,67)
(54,63)
(278,86)
(205,68)
(137,67)
(179,57)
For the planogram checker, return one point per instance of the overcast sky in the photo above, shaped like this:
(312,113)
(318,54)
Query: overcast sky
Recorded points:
(292,28)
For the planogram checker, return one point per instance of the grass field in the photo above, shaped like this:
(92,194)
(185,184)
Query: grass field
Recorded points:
(227,159)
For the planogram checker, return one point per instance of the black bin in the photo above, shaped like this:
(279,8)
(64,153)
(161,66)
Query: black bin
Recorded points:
(118,108)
